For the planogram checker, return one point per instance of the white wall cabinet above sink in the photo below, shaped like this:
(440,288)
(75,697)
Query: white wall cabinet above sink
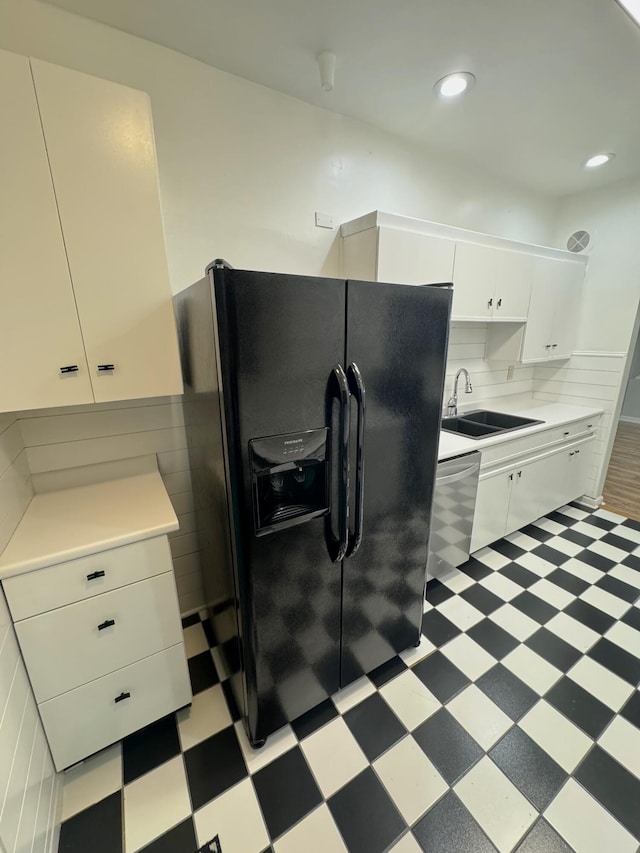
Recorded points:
(85,304)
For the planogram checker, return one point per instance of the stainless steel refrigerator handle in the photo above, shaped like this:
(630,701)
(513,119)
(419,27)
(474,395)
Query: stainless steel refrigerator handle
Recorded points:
(338,547)
(356,385)
(459,475)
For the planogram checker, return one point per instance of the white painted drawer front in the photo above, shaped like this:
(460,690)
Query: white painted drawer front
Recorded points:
(76,580)
(67,647)
(87,719)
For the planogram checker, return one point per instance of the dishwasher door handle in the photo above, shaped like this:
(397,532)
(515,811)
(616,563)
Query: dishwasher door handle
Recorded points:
(459,475)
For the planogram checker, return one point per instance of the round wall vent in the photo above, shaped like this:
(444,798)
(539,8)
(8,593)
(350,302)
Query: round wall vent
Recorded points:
(578,241)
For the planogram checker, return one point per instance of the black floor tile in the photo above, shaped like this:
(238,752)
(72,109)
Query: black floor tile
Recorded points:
(529,767)
(475,569)
(493,638)
(448,745)
(568,581)
(202,671)
(374,726)
(533,606)
(149,747)
(543,839)
(442,678)
(561,518)
(632,561)
(449,828)
(595,560)
(577,538)
(510,694)
(616,660)
(366,817)
(590,616)
(437,592)
(613,786)
(508,549)
(631,523)
(518,574)
(191,620)
(482,599)
(231,701)
(619,588)
(209,633)
(602,523)
(631,710)
(632,618)
(587,712)
(553,649)
(386,671)
(286,790)
(619,541)
(181,837)
(98,828)
(314,719)
(537,533)
(551,555)
(438,629)
(213,766)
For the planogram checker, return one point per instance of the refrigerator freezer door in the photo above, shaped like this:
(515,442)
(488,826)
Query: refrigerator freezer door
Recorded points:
(280,340)
(397,337)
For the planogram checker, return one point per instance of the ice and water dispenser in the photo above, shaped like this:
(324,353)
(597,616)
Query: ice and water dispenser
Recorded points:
(290,478)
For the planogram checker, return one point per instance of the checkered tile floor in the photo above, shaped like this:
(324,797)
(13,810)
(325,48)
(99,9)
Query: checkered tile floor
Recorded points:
(514,726)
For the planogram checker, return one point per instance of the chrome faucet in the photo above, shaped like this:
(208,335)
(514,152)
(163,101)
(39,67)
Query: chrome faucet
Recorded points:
(452,405)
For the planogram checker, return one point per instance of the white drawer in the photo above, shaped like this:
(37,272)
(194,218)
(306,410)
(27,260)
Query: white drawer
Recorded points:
(67,647)
(64,583)
(87,719)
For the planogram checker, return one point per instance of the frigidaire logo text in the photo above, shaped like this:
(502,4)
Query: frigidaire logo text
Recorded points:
(294,441)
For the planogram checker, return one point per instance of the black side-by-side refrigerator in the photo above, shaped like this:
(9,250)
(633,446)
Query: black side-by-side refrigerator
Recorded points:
(312,408)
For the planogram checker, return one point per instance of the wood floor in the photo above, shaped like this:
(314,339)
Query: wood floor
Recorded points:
(622,486)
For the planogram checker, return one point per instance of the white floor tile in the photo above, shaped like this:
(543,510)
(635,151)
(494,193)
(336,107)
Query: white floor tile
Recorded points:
(207,715)
(581,570)
(356,692)
(497,805)
(407,844)
(628,533)
(409,699)
(536,564)
(501,586)
(610,516)
(585,824)
(589,530)
(92,781)
(532,669)
(410,778)
(602,599)
(277,744)
(626,637)
(317,833)
(492,559)
(601,683)
(621,739)
(550,526)
(155,803)
(626,574)
(236,817)
(468,656)
(460,612)
(414,655)
(551,593)
(195,640)
(608,551)
(574,632)
(565,546)
(479,716)
(563,741)
(457,581)
(514,621)
(334,756)
(522,541)
(217,660)
(573,512)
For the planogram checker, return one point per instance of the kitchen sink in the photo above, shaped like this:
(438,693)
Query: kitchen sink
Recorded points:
(482,423)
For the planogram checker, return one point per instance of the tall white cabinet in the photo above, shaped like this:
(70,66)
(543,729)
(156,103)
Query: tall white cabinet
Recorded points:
(86,310)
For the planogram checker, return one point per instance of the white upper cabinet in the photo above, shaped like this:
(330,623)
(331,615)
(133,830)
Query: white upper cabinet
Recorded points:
(39,328)
(406,257)
(491,284)
(101,150)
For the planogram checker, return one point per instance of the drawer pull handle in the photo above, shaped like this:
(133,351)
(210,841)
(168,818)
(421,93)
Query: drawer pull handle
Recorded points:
(95,575)
(589,426)
(566,433)
(106,368)
(108,623)
(69,368)
(122,697)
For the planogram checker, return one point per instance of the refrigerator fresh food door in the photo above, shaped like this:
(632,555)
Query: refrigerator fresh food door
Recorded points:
(281,341)
(396,351)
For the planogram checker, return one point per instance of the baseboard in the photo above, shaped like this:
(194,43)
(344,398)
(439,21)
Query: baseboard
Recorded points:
(589,502)
(629,420)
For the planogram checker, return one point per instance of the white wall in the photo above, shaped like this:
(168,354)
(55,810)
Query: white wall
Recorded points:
(631,403)
(243,168)
(16,488)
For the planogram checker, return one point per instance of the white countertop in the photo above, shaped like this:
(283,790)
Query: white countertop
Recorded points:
(69,523)
(553,415)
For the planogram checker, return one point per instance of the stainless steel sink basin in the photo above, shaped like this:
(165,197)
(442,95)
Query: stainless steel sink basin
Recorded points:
(482,423)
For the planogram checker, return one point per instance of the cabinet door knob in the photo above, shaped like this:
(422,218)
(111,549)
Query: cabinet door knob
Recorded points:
(499,302)
(490,303)
(95,575)
(554,345)
(572,453)
(108,623)
(519,473)
(577,451)
(69,368)
(122,697)
(106,368)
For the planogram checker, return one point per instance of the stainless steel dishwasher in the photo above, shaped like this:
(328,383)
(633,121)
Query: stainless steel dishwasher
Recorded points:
(454,502)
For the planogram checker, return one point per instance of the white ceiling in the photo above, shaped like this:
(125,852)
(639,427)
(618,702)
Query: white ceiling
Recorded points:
(557,79)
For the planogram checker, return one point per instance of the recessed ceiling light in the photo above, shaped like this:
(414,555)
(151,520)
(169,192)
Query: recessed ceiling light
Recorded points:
(598,160)
(454,84)
(632,7)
